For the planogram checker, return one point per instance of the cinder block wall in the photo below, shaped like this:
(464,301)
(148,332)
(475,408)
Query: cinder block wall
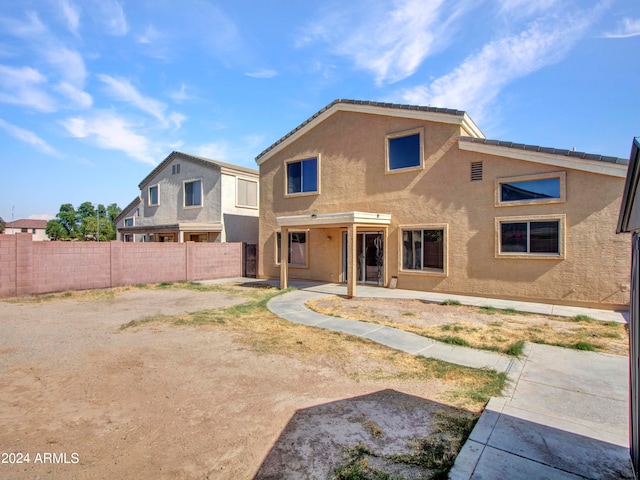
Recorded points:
(30,268)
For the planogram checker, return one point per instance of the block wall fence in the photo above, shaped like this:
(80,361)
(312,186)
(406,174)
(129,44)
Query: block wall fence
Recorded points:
(30,267)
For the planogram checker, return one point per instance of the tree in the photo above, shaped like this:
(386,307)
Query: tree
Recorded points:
(3,224)
(86,223)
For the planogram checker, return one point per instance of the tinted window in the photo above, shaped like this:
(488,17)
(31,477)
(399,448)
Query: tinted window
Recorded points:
(513,191)
(404,152)
(302,176)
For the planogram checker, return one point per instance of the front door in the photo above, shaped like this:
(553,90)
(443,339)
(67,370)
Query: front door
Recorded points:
(369,258)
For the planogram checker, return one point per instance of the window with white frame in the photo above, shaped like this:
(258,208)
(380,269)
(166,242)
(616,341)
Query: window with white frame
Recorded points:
(531,189)
(404,150)
(193,193)
(302,176)
(424,249)
(247,193)
(154,197)
(297,249)
(128,222)
(539,236)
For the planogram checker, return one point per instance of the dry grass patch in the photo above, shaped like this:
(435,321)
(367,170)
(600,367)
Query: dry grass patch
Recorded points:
(486,328)
(358,358)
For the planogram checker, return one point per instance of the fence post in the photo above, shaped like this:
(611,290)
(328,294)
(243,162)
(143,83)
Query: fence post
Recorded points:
(24,264)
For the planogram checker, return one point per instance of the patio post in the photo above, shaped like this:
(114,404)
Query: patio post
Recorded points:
(284,257)
(351,260)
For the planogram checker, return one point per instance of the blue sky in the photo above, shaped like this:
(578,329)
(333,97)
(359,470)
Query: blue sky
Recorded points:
(94,93)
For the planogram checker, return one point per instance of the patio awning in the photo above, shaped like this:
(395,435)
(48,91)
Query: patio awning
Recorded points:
(320,220)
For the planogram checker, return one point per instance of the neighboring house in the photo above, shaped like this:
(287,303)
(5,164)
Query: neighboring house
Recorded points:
(35,227)
(416,198)
(629,221)
(190,198)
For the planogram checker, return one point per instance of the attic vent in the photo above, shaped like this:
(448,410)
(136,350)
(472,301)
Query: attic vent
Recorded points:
(476,171)
(175,169)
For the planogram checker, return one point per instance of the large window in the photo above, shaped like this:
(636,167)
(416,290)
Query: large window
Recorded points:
(302,176)
(247,193)
(531,189)
(297,249)
(193,193)
(154,198)
(535,237)
(404,151)
(424,249)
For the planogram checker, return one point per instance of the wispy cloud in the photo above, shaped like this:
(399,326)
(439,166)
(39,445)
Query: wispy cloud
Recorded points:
(391,43)
(41,216)
(29,137)
(78,97)
(628,27)
(123,90)
(476,83)
(111,14)
(112,132)
(525,7)
(262,73)
(239,153)
(180,95)
(25,86)
(67,62)
(71,14)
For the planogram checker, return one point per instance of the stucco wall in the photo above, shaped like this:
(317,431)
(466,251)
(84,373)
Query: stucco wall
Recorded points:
(171,208)
(352,178)
(240,224)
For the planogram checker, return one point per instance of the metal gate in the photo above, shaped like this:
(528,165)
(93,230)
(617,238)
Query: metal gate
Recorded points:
(634,353)
(249,268)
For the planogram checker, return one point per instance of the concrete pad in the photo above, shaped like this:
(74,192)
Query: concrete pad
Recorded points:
(496,464)
(466,461)
(598,413)
(588,372)
(565,451)
(468,357)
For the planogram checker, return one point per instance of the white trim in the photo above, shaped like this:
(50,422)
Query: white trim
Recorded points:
(563,161)
(464,122)
(406,133)
(342,218)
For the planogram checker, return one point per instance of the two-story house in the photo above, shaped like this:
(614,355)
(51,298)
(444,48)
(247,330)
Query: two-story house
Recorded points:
(416,197)
(37,228)
(191,198)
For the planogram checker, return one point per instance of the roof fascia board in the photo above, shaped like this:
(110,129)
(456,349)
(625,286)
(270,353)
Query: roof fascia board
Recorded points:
(591,166)
(462,120)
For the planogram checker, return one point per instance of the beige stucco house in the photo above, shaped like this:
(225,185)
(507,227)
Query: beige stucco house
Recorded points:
(193,198)
(416,198)
(37,228)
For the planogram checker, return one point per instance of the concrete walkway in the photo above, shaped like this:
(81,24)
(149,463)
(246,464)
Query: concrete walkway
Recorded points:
(564,416)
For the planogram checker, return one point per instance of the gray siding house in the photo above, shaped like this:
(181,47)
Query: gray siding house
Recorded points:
(190,198)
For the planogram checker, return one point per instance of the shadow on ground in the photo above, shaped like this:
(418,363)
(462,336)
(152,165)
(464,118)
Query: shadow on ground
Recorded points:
(386,431)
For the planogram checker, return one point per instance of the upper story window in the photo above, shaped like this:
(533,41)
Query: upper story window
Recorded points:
(154,198)
(302,176)
(531,189)
(404,150)
(247,193)
(128,222)
(193,193)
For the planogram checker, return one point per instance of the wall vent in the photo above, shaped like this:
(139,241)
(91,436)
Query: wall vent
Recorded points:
(476,171)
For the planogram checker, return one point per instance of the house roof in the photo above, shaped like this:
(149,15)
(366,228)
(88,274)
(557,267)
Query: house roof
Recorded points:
(27,223)
(207,162)
(445,115)
(630,188)
(588,162)
(134,203)
(552,151)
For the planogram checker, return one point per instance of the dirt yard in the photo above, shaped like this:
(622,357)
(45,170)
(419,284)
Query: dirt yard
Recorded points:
(85,399)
